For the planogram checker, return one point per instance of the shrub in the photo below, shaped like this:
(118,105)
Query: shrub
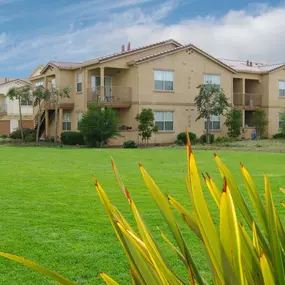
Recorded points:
(130,144)
(98,125)
(146,124)
(223,140)
(203,138)
(234,122)
(27,133)
(182,137)
(180,142)
(72,138)
(259,121)
(242,248)
(4,136)
(279,136)
(30,138)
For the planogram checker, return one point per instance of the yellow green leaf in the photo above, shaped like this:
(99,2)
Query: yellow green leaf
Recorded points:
(266,271)
(229,233)
(107,279)
(255,240)
(164,206)
(204,220)
(48,273)
(147,243)
(240,202)
(188,217)
(213,189)
(250,258)
(255,199)
(277,260)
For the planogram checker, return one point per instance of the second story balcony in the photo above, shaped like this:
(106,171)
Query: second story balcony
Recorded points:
(247,100)
(118,97)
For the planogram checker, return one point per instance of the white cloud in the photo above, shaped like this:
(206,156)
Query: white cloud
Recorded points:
(256,33)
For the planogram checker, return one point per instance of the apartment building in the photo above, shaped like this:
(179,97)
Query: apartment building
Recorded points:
(9,109)
(163,76)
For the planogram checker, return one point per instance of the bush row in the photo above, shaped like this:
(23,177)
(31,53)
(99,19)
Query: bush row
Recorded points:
(72,138)
(29,135)
(279,136)
(181,138)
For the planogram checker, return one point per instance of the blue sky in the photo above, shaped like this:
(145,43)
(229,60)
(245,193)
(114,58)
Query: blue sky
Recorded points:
(33,32)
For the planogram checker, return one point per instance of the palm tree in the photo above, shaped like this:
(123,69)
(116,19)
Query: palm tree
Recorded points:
(20,93)
(40,95)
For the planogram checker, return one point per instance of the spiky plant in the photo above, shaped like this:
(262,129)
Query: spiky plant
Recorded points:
(251,254)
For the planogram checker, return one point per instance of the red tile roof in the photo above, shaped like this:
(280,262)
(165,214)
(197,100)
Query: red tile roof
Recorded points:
(118,54)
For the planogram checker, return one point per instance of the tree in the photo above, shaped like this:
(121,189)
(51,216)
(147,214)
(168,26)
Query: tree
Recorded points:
(20,94)
(56,95)
(234,122)
(40,95)
(98,125)
(259,121)
(211,101)
(146,124)
(282,129)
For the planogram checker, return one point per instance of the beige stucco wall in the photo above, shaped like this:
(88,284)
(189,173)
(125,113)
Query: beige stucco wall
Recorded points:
(189,71)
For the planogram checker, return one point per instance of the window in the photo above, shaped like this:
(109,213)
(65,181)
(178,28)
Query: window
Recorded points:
(215,123)
(79,117)
(163,80)
(281,120)
(66,121)
(282,88)
(28,102)
(39,83)
(212,79)
(164,121)
(79,82)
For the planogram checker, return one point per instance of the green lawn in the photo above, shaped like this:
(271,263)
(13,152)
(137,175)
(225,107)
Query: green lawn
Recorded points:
(50,211)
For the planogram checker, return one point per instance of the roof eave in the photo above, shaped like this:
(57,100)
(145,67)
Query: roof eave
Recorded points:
(184,48)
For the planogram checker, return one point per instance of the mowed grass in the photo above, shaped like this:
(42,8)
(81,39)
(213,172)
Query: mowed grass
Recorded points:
(51,214)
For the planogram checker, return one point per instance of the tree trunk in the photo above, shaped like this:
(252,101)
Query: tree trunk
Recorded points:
(39,123)
(208,130)
(21,119)
(55,123)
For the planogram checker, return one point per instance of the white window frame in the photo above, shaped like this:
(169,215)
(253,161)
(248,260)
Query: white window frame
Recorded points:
(280,114)
(282,89)
(212,79)
(79,81)
(66,121)
(164,121)
(212,120)
(164,75)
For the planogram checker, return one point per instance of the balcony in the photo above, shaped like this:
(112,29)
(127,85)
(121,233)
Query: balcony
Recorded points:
(247,100)
(111,96)
(3,110)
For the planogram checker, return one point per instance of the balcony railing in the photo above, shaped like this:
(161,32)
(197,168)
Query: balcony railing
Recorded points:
(247,99)
(111,96)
